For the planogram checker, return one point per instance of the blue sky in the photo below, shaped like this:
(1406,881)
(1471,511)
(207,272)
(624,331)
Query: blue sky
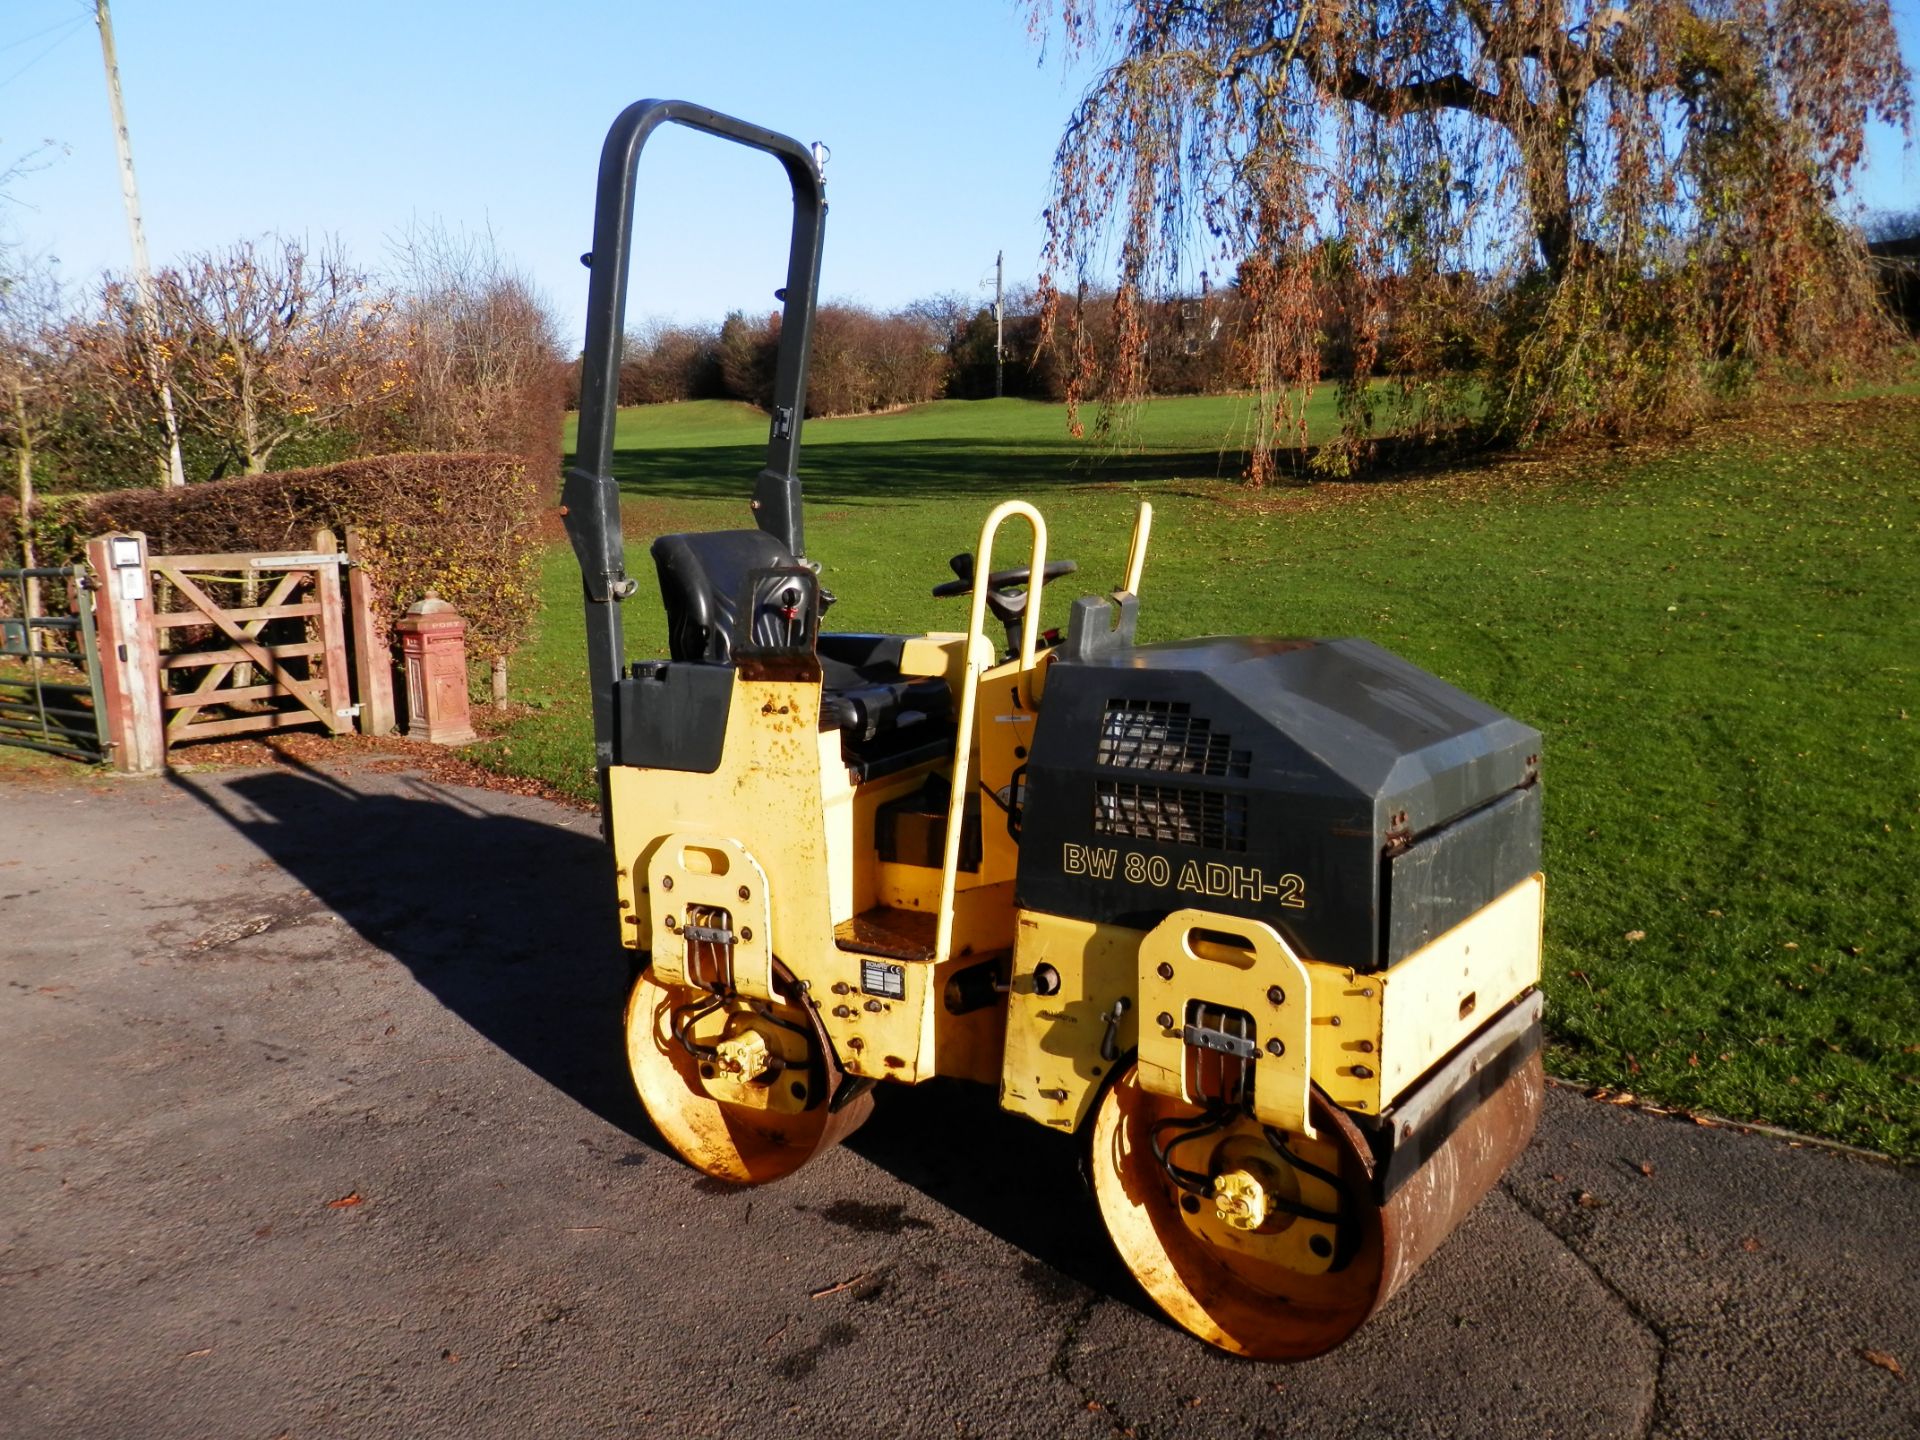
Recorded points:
(353,118)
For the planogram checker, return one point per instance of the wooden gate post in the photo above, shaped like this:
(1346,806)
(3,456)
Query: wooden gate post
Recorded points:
(129,653)
(333,635)
(372,660)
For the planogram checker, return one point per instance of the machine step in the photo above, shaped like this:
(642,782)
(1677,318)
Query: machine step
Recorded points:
(883,930)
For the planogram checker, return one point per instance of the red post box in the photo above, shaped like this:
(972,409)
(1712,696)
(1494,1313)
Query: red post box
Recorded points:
(433,645)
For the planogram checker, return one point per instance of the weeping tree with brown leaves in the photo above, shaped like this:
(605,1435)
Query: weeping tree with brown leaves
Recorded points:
(1533,216)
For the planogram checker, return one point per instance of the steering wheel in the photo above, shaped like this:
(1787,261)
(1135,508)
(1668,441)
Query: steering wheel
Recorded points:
(1007,604)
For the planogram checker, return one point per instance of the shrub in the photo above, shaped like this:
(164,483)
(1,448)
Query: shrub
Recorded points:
(462,525)
(863,361)
(671,362)
(748,351)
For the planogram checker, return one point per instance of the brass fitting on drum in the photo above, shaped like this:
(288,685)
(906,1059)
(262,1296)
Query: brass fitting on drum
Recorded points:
(1241,1200)
(745,1056)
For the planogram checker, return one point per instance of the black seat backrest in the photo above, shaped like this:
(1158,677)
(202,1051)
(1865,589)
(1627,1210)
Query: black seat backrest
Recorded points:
(702,579)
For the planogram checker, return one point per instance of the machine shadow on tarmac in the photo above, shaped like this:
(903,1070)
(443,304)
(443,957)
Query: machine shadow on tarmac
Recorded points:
(510,923)
(507,922)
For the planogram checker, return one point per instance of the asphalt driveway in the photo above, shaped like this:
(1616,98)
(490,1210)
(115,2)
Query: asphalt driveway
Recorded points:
(316,1123)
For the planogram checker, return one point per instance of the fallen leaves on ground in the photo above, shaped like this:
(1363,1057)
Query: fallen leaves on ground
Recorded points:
(1630,1100)
(1791,426)
(352,1198)
(1886,1362)
(381,754)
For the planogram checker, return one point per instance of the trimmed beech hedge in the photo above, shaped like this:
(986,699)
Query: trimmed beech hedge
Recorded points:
(464,526)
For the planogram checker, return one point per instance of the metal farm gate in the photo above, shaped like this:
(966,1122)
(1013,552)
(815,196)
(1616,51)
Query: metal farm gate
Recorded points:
(251,642)
(50,689)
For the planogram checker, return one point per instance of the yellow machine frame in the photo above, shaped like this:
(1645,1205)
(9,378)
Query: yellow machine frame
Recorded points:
(1361,1038)
(1231,1090)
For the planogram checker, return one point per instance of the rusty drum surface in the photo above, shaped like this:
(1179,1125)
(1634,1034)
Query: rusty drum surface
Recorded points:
(1229,1287)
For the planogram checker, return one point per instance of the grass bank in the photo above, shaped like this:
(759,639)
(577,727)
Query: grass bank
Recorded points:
(1719,640)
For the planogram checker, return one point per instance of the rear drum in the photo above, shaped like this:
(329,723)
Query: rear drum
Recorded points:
(1291,1288)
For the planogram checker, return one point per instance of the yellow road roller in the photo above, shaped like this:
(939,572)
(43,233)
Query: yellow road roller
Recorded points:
(1258,918)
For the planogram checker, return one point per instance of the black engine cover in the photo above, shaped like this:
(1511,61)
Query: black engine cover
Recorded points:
(1351,800)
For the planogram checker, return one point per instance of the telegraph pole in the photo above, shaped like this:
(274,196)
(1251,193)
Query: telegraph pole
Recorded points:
(172,472)
(999,322)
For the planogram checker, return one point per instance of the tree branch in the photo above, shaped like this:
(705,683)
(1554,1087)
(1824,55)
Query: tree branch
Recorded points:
(1444,92)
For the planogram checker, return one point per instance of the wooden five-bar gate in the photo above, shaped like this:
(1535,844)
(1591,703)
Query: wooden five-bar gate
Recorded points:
(208,646)
(251,643)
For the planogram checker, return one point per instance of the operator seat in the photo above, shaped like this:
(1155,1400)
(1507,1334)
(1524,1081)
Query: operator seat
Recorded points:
(886,720)
(703,578)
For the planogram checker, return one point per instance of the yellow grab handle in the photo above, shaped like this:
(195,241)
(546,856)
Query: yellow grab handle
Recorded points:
(970,685)
(1137,552)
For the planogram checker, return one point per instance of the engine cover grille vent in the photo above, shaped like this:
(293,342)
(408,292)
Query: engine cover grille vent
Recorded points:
(1174,815)
(1165,735)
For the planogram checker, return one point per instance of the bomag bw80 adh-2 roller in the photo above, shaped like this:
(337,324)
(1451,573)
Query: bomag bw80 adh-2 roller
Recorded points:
(1260,918)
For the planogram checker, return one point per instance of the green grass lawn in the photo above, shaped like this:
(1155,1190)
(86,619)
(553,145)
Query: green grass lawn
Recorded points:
(1719,640)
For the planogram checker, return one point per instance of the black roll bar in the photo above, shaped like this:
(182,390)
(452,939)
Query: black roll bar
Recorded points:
(590,496)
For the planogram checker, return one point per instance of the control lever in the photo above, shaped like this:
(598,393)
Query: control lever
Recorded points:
(1110,1042)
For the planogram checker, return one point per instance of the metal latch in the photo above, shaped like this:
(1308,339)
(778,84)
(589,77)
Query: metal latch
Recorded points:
(1203,1038)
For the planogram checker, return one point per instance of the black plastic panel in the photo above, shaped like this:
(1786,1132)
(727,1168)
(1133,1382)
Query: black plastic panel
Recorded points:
(1454,872)
(1273,779)
(672,715)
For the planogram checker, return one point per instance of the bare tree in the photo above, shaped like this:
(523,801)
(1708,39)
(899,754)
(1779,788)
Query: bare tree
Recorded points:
(480,339)
(37,157)
(661,362)
(484,356)
(37,374)
(947,315)
(1888,226)
(260,342)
